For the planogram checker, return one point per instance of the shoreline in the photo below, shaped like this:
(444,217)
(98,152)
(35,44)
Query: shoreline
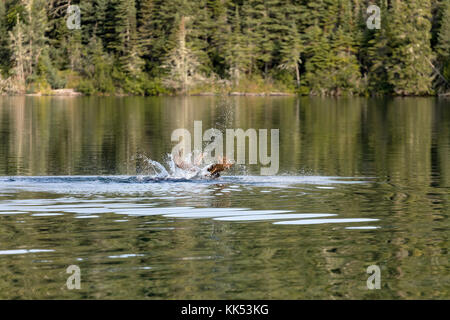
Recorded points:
(74,93)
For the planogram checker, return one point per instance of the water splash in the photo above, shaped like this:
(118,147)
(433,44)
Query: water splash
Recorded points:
(159,170)
(196,168)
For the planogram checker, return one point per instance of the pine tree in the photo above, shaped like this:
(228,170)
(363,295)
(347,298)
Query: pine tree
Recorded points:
(236,55)
(181,63)
(65,45)
(345,71)
(318,55)
(165,26)
(99,18)
(37,25)
(344,68)
(444,32)
(97,68)
(266,43)
(20,56)
(376,53)
(4,47)
(220,32)
(443,47)
(27,41)
(199,34)
(144,26)
(331,53)
(258,42)
(288,40)
(409,67)
(321,46)
(291,47)
(121,35)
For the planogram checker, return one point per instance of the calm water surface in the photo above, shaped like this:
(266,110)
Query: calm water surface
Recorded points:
(361,182)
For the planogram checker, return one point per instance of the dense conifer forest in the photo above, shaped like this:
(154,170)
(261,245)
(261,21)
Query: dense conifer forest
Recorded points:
(152,47)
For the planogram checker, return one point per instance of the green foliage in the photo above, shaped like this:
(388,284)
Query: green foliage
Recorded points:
(409,66)
(86,87)
(47,71)
(153,87)
(318,47)
(444,32)
(443,47)
(4,48)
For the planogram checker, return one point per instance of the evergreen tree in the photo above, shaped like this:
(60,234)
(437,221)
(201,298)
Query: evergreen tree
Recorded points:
(27,42)
(443,47)
(220,26)
(236,54)
(20,56)
(199,34)
(181,63)
(144,25)
(258,41)
(322,46)
(318,55)
(121,35)
(4,46)
(376,53)
(409,66)
(266,41)
(332,66)
(97,68)
(291,47)
(65,44)
(162,30)
(345,66)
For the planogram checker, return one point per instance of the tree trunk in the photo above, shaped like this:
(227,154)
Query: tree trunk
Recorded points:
(297,74)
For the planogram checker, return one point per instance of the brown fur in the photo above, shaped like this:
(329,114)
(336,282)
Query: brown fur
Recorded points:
(217,168)
(214,170)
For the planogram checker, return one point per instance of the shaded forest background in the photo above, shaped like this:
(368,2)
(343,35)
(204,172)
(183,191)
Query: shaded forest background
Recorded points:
(152,47)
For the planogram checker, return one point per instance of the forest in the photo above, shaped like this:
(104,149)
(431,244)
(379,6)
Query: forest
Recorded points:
(158,47)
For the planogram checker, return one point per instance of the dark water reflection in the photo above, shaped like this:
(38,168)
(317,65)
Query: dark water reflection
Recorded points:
(387,160)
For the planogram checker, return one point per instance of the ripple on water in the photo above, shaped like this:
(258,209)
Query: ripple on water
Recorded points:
(124,256)
(167,189)
(87,217)
(363,228)
(151,211)
(323,221)
(258,217)
(7,213)
(221,212)
(24,251)
(89,211)
(92,185)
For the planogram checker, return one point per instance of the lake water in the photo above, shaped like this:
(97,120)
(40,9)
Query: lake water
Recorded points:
(361,182)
